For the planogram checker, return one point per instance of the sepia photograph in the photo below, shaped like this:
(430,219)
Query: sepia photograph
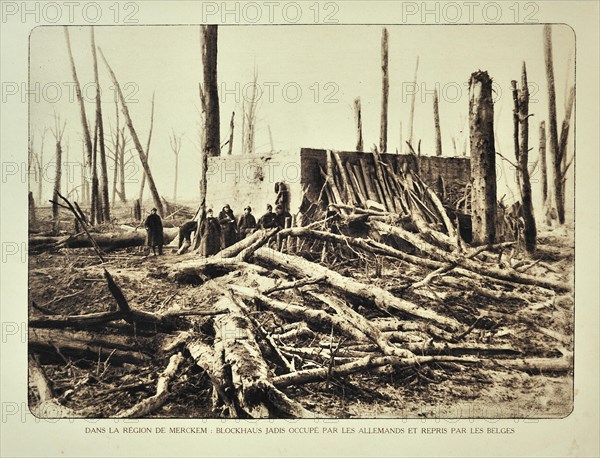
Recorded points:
(300,221)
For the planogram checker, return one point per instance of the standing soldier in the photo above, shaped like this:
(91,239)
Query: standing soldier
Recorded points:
(247,223)
(228,226)
(267,221)
(211,235)
(154,228)
(281,215)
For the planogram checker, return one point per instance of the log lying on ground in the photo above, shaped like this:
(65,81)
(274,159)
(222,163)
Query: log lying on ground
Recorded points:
(362,365)
(245,247)
(118,348)
(361,323)
(155,402)
(48,406)
(211,360)
(534,365)
(137,318)
(65,321)
(480,268)
(105,240)
(195,269)
(366,244)
(374,295)
(255,394)
(317,320)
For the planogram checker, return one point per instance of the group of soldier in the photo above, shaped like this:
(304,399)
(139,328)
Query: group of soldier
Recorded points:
(216,233)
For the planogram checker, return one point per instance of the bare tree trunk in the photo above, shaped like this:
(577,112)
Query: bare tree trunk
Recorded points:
(141,198)
(483,158)
(209,65)
(117,148)
(231,128)
(58,134)
(104,202)
(436,122)
(136,141)
(84,179)
(358,119)
(385,89)
(521,136)
(542,159)
(200,215)
(412,106)
(176,147)
(563,143)
(32,216)
(209,102)
(552,126)
(121,191)
(40,166)
(84,123)
(96,211)
(250,118)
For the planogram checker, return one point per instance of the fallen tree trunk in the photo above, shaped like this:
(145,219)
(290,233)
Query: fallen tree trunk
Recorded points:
(64,321)
(118,348)
(105,240)
(155,402)
(48,406)
(480,268)
(363,324)
(249,371)
(363,243)
(374,295)
(245,247)
(361,365)
(317,320)
(210,360)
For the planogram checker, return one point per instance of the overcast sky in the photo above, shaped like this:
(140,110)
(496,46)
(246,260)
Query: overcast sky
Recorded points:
(308,76)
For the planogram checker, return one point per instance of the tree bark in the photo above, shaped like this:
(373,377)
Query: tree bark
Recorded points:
(209,64)
(436,122)
(543,167)
(105,240)
(361,365)
(231,129)
(358,120)
(553,127)
(138,146)
(483,158)
(412,105)
(84,122)
(155,402)
(530,233)
(479,268)
(104,202)
(58,133)
(120,349)
(385,89)
(378,297)
(143,184)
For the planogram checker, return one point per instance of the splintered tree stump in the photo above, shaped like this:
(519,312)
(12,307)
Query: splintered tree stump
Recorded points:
(483,158)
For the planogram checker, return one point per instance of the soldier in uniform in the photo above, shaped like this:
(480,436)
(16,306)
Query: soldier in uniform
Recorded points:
(210,232)
(247,223)
(267,221)
(228,226)
(154,229)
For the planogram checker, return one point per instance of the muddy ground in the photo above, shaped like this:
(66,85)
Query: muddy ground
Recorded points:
(70,282)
